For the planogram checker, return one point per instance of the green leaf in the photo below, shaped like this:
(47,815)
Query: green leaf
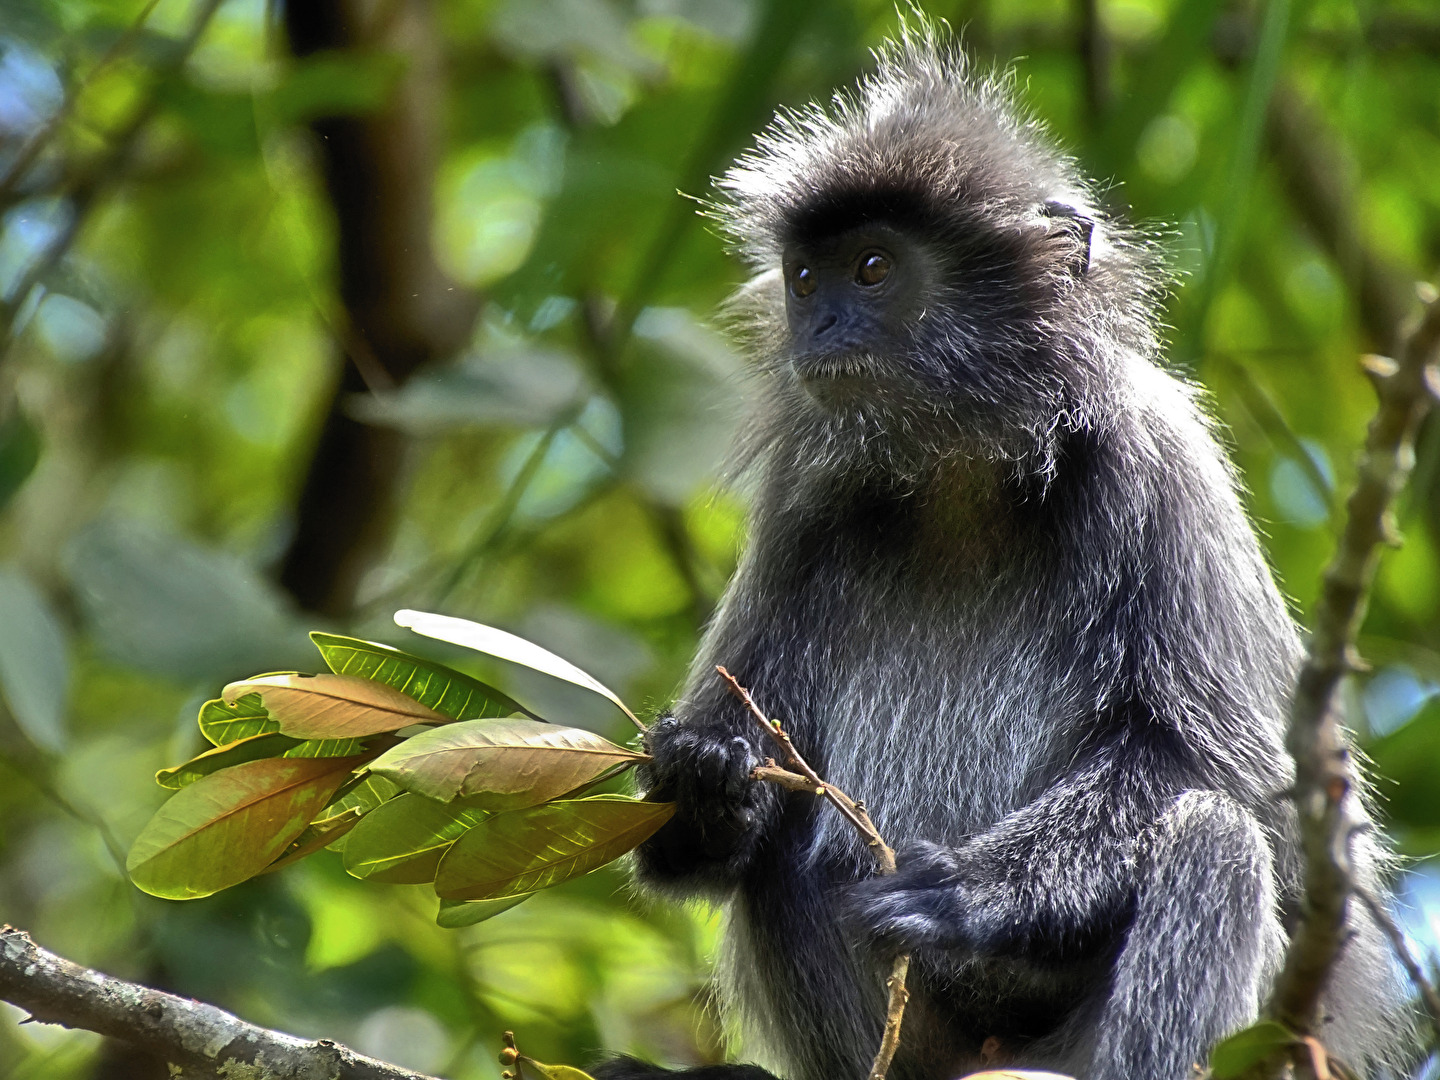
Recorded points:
(554,1072)
(266,744)
(523,851)
(454,914)
(1237,1053)
(364,793)
(317,835)
(34,661)
(402,841)
(19,453)
(503,764)
(435,686)
(230,825)
(224,722)
(504,646)
(333,706)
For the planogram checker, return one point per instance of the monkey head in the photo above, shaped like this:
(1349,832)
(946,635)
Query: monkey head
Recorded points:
(931,276)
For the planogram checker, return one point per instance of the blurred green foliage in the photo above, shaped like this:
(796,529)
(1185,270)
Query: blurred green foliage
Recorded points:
(164,380)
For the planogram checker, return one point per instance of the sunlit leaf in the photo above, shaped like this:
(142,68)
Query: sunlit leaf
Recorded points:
(522,851)
(402,841)
(454,914)
(224,722)
(435,686)
(1234,1055)
(554,1072)
(333,706)
(503,764)
(230,825)
(504,646)
(317,835)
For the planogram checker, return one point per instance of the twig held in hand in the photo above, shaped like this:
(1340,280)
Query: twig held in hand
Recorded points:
(804,778)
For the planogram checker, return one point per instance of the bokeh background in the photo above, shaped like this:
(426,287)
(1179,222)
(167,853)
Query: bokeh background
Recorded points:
(312,311)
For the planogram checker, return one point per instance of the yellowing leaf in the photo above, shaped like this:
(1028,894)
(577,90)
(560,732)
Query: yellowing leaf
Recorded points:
(230,825)
(454,914)
(435,686)
(503,764)
(505,646)
(401,841)
(224,722)
(523,851)
(333,706)
(554,1072)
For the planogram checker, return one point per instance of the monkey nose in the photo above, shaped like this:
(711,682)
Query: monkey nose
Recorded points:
(826,322)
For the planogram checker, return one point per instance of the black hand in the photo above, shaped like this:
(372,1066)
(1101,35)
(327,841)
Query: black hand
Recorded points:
(705,770)
(922,905)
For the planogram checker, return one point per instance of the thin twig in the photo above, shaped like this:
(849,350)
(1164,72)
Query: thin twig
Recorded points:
(198,1039)
(1322,767)
(853,811)
(804,778)
(27,154)
(85,191)
(1428,995)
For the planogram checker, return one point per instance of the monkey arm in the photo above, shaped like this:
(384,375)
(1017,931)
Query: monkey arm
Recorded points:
(1054,880)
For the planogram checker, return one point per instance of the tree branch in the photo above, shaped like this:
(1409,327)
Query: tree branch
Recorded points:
(189,1034)
(1322,767)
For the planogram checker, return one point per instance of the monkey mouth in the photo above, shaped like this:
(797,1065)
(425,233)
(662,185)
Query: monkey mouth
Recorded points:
(837,379)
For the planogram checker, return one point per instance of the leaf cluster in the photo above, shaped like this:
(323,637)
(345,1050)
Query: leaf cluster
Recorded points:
(415,772)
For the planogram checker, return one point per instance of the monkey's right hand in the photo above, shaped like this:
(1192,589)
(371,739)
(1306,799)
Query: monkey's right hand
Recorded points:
(705,770)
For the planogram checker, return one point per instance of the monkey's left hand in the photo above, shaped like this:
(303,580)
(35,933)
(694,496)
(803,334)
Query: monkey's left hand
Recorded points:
(930,902)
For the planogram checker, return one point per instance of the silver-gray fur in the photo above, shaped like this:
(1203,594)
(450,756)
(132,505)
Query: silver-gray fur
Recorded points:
(1008,595)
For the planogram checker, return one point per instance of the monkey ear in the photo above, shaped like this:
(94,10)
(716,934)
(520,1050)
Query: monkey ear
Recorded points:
(1073,226)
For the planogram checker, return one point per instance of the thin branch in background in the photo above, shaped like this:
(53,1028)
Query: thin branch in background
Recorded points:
(84,191)
(1323,775)
(1428,995)
(801,777)
(41,137)
(1271,420)
(196,1038)
(502,517)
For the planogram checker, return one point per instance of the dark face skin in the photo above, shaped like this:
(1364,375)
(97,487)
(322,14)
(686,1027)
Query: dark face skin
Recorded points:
(851,300)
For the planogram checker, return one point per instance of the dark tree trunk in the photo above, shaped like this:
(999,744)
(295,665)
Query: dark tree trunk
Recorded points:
(401,311)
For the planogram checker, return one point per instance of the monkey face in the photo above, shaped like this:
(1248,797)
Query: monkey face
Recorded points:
(850,299)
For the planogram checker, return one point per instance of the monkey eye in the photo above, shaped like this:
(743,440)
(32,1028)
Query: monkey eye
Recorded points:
(874,268)
(802,281)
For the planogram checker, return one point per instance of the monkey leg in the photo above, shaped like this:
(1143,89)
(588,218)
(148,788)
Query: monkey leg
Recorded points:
(1202,948)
